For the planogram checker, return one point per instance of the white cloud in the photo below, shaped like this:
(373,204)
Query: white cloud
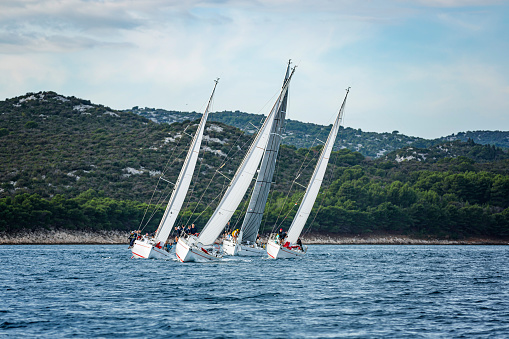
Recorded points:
(166,54)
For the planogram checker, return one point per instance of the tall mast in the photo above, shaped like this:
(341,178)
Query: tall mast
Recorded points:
(316,180)
(184,180)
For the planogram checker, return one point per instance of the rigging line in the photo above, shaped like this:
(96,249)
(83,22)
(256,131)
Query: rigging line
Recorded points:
(191,193)
(173,151)
(150,201)
(268,101)
(286,216)
(245,206)
(157,184)
(201,198)
(330,179)
(324,192)
(199,215)
(158,205)
(299,172)
(249,140)
(213,176)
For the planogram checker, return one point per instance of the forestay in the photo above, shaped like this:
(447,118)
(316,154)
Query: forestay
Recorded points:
(184,180)
(316,180)
(242,178)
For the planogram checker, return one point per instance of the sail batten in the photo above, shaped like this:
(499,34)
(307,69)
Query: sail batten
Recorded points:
(316,180)
(245,173)
(184,180)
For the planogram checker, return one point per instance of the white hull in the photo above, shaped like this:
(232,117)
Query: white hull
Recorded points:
(276,251)
(232,248)
(145,250)
(189,250)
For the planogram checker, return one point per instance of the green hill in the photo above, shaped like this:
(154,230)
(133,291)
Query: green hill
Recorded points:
(68,163)
(304,135)
(451,149)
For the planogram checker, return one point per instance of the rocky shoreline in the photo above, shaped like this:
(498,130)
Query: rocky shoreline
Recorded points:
(60,237)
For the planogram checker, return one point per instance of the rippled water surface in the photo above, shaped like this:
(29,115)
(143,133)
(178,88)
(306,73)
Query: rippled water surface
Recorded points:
(335,291)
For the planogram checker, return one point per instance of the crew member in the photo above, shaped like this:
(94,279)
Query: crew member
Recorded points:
(300,244)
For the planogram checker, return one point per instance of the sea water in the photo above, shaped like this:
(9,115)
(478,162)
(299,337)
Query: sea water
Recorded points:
(355,291)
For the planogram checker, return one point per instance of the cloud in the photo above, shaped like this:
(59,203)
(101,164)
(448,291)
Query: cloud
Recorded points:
(458,3)
(405,60)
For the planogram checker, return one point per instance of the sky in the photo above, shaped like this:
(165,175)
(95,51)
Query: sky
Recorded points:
(426,68)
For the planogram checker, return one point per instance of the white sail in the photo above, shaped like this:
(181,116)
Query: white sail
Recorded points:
(256,207)
(316,181)
(184,180)
(242,178)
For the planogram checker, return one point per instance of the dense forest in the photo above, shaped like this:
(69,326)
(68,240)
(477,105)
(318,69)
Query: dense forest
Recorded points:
(67,163)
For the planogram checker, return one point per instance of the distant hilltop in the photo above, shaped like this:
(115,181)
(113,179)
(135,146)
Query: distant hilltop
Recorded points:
(304,135)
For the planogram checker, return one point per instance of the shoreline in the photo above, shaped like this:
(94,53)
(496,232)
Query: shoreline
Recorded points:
(68,237)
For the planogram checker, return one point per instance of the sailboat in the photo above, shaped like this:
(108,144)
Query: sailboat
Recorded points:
(200,248)
(245,244)
(154,247)
(290,247)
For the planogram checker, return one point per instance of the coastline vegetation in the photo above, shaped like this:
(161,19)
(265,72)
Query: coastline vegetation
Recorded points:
(68,164)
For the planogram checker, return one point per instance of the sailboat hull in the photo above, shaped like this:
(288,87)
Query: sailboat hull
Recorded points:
(188,250)
(232,248)
(276,251)
(144,250)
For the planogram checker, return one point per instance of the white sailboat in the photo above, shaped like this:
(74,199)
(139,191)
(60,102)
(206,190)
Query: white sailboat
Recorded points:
(288,248)
(148,247)
(246,243)
(200,248)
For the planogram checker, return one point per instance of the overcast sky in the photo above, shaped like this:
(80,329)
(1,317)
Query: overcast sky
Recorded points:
(426,68)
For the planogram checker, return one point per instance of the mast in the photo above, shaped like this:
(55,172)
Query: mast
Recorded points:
(316,180)
(242,178)
(254,214)
(184,180)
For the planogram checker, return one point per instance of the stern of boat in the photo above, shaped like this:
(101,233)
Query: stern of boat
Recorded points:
(276,251)
(230,247)
(146,249)
(189,249)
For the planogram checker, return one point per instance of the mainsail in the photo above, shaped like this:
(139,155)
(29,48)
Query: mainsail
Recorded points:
(242,178)
(254,213)
(184,180)
(316,180)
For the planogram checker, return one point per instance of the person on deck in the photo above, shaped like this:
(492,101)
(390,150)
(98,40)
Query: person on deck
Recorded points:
(168,245)
(132,238)
(299,242)
(282,236)
(193,229)
(235,233)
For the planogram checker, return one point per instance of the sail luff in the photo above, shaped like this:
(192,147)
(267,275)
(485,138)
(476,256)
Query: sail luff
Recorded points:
(256,207)
(316,180)
(184,180)
(242,178)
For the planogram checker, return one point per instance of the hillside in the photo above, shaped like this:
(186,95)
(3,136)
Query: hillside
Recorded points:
(304,135)
(68,163)
(451,149)
(64,145)
(494,138)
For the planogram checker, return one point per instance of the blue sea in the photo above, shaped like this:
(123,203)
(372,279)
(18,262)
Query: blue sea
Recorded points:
(356,291)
